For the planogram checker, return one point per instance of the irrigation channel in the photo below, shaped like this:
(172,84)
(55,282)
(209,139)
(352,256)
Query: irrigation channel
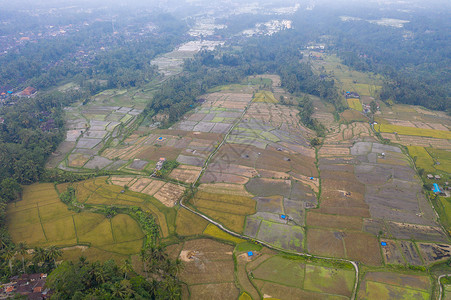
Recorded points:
(354,264)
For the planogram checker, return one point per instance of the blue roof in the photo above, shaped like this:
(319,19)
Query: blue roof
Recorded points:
(383,243)
(436,188)
(250,253)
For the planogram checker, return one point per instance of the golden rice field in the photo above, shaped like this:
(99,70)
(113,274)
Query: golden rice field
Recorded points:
(41,219)
(265,97)
(422,158)
(355,103)
(403,130)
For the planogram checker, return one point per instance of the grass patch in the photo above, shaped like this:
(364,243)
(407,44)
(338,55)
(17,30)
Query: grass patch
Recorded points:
(376,290)
(404,130)
(281,270)
(214,231)
(329,280)
(247,246)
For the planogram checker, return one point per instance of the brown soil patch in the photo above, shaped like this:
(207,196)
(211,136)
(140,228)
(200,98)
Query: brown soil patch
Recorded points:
(273,174)
(225,188)
(169,194)
(298,149)
(154,153)
(214,291)
(363,247)
(303,165)
(346,211)
(153,187)
(140,184)
(173,251)
(326,243)
(333,150)
(223,177)
(185,173)
(232,169)
(312,183)
(334,221)
(122,181)
(78,160)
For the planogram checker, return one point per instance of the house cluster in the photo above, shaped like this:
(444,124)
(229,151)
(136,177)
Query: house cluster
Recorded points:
(28,92)
(349,95)
(31,286)
(160,164)
(442,191)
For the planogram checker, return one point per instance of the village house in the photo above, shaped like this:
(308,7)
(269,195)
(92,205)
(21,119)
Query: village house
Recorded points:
(28,92)
(29,285)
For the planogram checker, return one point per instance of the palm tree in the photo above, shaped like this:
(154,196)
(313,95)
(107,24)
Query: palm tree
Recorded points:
(126,267)
(144,257)
(83,261)
(22,250)
(118,290)
(53,253)
(9,256)
(4,238)
(39,255)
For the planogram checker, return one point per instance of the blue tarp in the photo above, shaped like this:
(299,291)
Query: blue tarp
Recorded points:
(383,243)
(311,178)
(436,188)
(9,92)
(283,216)
(250,253)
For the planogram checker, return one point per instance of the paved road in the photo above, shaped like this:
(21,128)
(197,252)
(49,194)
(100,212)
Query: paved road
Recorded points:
(440,285)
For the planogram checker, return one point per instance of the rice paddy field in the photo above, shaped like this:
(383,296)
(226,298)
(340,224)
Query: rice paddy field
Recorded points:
(355,103)
(41,219)
(384,285)
(354,197)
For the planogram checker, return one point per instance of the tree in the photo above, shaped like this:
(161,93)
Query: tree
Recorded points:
(39,255)
(22,250)
(53,253)
(126,268)
(9,255)
(373,106)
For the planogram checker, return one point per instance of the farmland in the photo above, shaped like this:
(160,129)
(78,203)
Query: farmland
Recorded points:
(355,104)
(245,161)
(41,219)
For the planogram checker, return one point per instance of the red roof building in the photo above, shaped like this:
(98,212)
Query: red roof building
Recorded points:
(28,91)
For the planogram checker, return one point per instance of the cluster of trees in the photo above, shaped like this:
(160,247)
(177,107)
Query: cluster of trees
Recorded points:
(278,54)
(414,59)
(85,280)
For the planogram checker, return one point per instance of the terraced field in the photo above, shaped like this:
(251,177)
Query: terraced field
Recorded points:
(41,219)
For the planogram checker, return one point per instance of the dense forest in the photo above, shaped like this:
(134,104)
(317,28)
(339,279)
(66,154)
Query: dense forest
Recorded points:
(415,59)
